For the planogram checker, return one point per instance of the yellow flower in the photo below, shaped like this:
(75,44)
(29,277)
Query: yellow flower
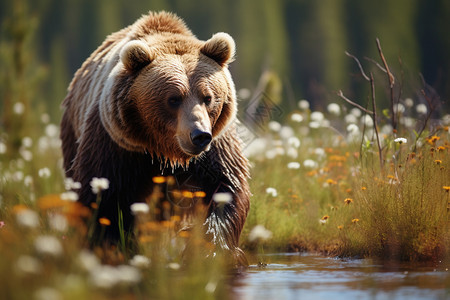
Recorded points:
(348,200)
(446,188)
(159,179)
(441,148)
(340,227)
(363,188)
(331,181)
(354,221)
(326,217)
(104,221)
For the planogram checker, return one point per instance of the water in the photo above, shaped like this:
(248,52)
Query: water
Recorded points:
(300,276)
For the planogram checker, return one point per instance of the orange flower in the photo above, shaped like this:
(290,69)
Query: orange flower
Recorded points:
(326,217)
(446,188)
(331,181)
(340,227)
(159,179)
(348,200)
(363,188)
(200,194)
(104,221)
(354,221)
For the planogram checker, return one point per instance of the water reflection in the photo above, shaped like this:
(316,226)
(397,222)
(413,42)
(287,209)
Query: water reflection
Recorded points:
(300,276)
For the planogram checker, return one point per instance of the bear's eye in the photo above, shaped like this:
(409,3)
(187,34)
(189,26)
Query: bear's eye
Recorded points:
(175,101)
(207,99)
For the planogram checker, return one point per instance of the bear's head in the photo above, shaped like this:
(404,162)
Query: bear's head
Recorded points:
(171,95)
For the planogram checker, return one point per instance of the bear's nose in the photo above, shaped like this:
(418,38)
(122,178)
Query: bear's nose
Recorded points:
(200,138)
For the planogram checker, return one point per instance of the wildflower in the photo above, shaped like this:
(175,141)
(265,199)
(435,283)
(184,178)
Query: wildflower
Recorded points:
(69,196)
(317,116)
(104,221)
(348,200)
(27,218)
(320,152)
(293,165)
(211,287)
(139,208)
(222,198)
(309,163)
(367,120)
(441,148)
(199,194)
(27,142)
(174,266)
(45,118)
(48,245)
(350,119)
(28,181)
(421,108)
(356,112)
(274,126)
(354,221)
(294,142)
(353,129)
(244,93)
(286,132)
(19,108)
(334,109)
(292,152)
(340,227)
(47,293)
(159,179)
(2,148)
(99,184)
(399,108)
(363,188)
(296,117)
(409,102)
(259,233)
(272,191)
(70,184)
(88,261)
(52,130)
(330,181)
(401,140)
(438,161)
(303,104)
(28,265)
(446,188)
(44,173)
(2,224)
(140,261)
(58,222)
(326,217)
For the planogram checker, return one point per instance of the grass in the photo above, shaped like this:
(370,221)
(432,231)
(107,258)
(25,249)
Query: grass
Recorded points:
(341,202)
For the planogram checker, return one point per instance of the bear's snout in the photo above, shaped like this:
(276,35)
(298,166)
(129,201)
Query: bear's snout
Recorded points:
(200,139)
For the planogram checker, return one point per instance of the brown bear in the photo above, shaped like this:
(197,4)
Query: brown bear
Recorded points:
(153,100)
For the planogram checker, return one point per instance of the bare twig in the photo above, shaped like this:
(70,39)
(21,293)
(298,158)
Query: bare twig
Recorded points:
(374,117)
(359,65)
(341,95)
(376,63)
(391,80)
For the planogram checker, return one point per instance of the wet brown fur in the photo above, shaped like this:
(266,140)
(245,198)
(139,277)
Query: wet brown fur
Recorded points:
(116,124)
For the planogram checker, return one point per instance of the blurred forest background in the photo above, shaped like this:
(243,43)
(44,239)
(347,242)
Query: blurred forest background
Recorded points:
(296,47)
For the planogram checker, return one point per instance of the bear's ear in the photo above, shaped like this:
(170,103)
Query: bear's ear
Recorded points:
(220,48)
(135,55)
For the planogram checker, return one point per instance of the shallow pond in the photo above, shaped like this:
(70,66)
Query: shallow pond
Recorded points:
(303,276)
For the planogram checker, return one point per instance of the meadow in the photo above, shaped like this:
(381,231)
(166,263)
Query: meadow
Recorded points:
(320,183)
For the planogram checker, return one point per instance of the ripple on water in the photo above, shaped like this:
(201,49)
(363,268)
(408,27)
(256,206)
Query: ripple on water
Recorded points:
(300,276)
